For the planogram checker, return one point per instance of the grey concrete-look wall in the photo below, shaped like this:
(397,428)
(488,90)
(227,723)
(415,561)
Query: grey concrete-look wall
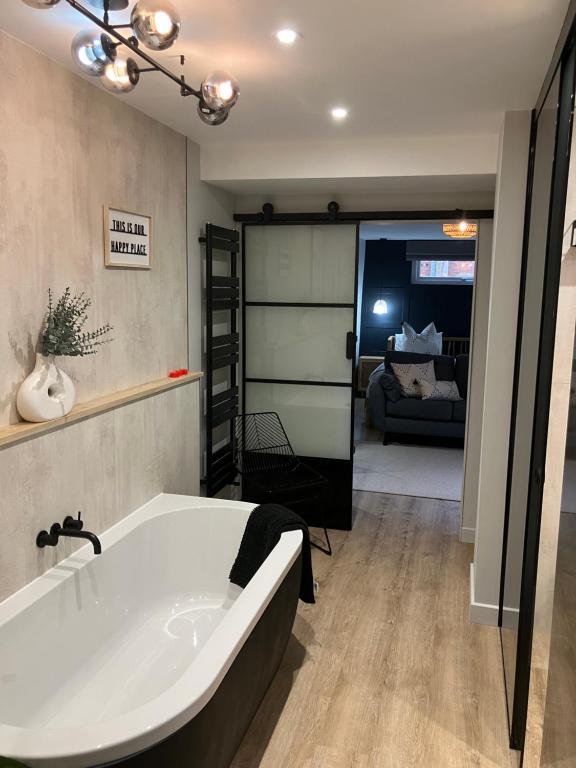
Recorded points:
(66,149)
(107,466)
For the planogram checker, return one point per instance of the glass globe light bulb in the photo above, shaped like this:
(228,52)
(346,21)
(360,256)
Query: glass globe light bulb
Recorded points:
(463,226)
(93,51)
(122,75)
(41,4)
(212,116)
(156,23)
(220,90)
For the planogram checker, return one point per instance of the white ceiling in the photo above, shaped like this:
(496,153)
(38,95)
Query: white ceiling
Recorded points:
(398,185)
(407,67)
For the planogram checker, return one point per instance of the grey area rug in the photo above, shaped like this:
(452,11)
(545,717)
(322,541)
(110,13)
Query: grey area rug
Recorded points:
(409,470)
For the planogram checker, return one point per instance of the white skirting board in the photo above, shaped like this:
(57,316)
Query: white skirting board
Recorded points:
(510,618)
(481,613)
(485,613)
(467,535)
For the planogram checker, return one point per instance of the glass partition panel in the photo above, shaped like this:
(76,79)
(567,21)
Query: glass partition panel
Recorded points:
(302,263)
(316,418)
(305,343)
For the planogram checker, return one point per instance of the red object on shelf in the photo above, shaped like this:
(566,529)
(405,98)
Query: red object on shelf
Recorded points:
(178,373)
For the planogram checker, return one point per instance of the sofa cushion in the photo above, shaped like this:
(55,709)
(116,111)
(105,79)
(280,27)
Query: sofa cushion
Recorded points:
(461,374)
(425,410)
(439,390)
(410,374)
(459,411)
(443,364)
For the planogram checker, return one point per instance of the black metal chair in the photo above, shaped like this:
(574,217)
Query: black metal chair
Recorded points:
(271,471)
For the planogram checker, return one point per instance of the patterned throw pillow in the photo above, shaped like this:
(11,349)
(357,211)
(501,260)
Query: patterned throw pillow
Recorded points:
(410,374)
(439,390)
(428,341)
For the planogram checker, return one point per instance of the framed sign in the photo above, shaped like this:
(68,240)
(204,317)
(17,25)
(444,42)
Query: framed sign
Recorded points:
(127,239)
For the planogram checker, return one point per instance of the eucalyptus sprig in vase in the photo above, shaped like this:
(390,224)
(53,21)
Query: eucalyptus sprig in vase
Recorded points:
(49,393)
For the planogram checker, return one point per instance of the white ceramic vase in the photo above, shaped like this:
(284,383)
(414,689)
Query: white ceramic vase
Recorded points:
(48,393)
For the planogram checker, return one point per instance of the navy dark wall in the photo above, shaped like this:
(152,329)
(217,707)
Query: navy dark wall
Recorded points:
(386,271)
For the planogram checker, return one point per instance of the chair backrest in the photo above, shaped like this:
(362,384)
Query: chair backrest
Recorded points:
(261,444)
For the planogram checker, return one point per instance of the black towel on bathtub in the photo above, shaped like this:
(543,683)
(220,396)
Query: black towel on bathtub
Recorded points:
(263,530)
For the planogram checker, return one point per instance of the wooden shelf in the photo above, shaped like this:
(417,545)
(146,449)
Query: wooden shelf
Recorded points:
(24,430)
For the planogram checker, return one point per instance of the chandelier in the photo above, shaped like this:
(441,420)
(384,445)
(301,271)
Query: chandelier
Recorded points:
(105,53)
(461,230)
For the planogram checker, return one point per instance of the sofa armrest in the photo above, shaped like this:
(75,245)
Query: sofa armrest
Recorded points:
(376,405)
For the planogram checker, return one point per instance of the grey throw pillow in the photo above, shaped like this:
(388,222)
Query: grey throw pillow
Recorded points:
(410,374)
(439,390)
(391,387)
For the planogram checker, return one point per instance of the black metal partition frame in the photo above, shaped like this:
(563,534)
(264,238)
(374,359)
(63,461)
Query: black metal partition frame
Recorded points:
(222,351)
(337,472)
(356,217)
(543,387)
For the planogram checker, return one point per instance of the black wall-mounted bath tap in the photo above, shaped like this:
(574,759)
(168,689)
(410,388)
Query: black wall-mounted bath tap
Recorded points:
(71,529)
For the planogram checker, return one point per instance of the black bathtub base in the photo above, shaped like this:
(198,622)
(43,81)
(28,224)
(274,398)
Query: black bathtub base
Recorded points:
(211,739)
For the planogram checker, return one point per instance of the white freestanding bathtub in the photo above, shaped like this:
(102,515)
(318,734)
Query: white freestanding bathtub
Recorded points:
(105,659)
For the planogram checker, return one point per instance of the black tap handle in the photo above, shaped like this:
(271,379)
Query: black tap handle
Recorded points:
(45,539)
(74,524)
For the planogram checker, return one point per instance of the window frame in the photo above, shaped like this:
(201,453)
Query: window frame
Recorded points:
(418,280)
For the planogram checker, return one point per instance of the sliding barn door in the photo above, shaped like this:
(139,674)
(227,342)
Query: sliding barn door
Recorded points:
(299,296)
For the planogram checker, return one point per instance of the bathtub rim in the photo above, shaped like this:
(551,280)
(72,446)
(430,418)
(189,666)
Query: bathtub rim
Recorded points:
(137,730)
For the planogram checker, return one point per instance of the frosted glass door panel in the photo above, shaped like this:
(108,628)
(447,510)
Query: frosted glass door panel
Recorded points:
(298,343)
(316,419)
(312,264)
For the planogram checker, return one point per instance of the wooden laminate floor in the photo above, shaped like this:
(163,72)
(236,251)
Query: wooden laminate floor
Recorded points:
(385,671)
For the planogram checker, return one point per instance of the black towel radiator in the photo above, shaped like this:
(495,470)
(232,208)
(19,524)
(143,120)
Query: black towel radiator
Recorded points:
(222,351)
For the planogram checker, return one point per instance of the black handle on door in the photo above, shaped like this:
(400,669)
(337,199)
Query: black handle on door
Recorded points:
(350,345)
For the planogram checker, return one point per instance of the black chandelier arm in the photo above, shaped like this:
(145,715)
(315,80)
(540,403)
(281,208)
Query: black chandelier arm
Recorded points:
(185,88)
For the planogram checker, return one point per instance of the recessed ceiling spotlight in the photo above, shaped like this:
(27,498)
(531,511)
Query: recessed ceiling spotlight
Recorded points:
(287,36)
(339,113)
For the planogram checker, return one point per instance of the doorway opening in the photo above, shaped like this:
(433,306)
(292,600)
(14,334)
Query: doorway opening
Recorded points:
(415,305)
